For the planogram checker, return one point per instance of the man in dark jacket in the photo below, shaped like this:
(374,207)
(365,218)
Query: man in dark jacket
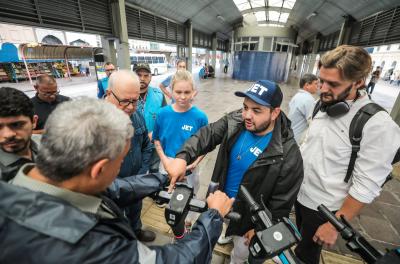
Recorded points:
(124,91)
(257,150)
(17,121)
(56,211)
(47,98)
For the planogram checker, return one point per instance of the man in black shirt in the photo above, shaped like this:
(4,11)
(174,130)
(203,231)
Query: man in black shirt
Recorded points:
(17,121)
(46,99)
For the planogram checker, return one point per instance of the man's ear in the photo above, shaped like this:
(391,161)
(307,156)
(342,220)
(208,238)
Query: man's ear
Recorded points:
(34,121)
(275,113)
(97,168)
(36,87)
(358,84)
(108,94)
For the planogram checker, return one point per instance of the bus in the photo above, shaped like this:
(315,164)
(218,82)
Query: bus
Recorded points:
(157,62)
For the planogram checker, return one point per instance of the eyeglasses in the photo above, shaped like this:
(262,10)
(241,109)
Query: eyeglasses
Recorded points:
(125,102)
(48,94)
(110,70)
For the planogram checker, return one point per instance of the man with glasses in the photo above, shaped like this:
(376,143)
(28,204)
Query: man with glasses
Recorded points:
(102,84)
(124,93)
(47,98)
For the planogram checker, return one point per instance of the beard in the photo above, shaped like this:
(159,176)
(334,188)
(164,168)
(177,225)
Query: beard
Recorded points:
(143,86)
(260,128)
(20,145)
(339,98)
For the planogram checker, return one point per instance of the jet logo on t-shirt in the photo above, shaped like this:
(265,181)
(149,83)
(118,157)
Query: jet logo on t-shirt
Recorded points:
(256,151)
(187,127)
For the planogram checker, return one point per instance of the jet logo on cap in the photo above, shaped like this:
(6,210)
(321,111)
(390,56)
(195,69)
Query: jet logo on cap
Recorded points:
(258,89)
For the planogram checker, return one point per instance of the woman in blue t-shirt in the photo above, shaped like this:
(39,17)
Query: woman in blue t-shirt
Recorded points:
(177,122)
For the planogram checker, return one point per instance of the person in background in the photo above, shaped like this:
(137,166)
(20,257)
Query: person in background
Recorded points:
(151,100)
(374,79)
(102,84)
(46,99)
(302,105)
(226,65)
(124,92)
(165,85)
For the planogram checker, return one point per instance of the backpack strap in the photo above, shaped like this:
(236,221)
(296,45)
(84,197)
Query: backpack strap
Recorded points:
(355,133)
(317,107)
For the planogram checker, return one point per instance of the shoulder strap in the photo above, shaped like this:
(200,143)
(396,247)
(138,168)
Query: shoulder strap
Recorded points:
(317,107)
(355,133)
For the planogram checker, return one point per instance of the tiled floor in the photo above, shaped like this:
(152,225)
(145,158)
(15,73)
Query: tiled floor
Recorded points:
(153,218)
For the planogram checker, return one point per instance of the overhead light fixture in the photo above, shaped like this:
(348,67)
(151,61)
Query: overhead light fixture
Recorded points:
(221,18)
(311,15)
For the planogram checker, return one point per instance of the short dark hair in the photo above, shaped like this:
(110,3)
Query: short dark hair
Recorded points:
(15,103)
(108,63)
(307,78)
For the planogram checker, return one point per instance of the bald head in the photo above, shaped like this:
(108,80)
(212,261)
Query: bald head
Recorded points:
(46,88)
(45,79)
(124,80)
(124,90)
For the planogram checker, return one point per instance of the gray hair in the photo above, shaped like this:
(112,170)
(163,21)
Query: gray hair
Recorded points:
(307,78)
(79,133)
(117,75)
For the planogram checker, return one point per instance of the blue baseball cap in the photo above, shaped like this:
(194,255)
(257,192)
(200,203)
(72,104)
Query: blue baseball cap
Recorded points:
(265,93)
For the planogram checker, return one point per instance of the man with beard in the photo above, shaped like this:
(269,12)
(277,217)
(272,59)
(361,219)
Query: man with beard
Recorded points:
(124,92)
(257,150)
(151,100)
(17,121)
(327,150)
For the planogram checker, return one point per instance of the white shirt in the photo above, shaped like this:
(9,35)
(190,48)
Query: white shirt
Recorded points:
(300,108)
(326,154)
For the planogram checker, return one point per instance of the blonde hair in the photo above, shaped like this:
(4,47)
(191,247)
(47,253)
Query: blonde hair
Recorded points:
(353,63)
(182,75)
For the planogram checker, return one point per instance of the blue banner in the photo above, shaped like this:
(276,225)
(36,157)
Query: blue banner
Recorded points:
(260,65)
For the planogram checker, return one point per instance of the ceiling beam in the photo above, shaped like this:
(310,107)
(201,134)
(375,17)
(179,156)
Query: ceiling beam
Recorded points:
(271,22)
(263,8)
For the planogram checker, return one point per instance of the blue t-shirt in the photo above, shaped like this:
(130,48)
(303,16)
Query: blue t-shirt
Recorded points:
(172,128)
(167,81)
(243,153)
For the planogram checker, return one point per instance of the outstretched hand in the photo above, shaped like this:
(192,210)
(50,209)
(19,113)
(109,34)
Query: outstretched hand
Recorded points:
(176,169)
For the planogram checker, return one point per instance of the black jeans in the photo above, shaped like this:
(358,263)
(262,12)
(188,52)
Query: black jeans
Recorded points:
(370,87)
(308,221)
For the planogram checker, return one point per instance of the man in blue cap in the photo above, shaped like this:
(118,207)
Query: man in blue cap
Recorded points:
(257,150)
